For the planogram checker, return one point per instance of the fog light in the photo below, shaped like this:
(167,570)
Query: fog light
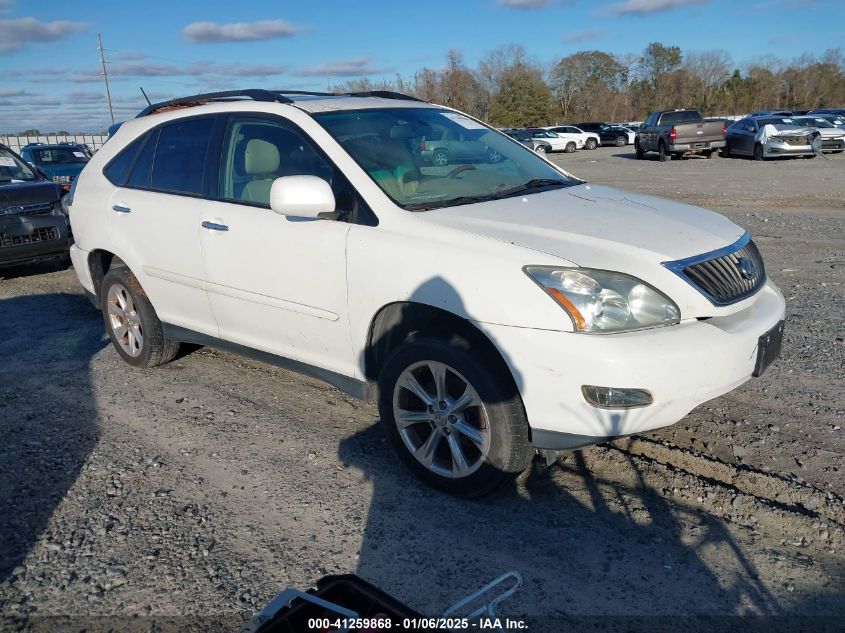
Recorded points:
(615,398)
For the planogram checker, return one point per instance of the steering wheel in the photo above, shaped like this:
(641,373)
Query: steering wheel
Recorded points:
(459,169)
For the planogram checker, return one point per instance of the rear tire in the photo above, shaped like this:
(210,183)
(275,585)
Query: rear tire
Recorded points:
(621,141)
(713,153)
(440,158)
(467,451)
(570,147)
(639,150)
(132,323)
(541,149)
(661,152)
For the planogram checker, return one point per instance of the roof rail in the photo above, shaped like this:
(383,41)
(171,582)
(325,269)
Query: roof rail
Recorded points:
(254,94)
(384,94)
(258,94)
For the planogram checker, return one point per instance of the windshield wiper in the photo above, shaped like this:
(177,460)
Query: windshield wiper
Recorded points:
(536,183)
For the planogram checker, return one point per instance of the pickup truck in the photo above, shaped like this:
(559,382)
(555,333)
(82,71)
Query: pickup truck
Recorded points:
(678,132)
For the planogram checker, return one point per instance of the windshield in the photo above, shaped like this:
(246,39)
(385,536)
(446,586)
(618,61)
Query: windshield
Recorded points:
(58,155)
(13,169)
(815,122)
(427,158)
(780,122)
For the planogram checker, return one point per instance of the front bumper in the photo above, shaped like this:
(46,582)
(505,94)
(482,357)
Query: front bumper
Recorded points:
(785,149)
(681,366)
(31,238)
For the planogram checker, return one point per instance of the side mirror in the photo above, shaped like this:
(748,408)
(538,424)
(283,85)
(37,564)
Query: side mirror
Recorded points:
(301,196)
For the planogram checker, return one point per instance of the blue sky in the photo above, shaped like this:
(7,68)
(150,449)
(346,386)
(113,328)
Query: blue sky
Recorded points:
(51,74)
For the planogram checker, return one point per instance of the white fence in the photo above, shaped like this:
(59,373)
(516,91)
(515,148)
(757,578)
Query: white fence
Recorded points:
(15,143)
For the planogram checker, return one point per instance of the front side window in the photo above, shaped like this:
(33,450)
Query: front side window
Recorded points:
(257,151)
(484,165)
(13,169)
(179,160)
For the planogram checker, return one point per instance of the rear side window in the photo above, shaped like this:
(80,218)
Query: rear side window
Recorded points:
(140,175)
(117,171)
(180,156)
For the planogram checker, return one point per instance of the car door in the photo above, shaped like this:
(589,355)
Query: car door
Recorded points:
(154,217)
(275,283)
(747,133)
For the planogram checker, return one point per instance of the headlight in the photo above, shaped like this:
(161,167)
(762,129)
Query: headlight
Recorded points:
(604,301)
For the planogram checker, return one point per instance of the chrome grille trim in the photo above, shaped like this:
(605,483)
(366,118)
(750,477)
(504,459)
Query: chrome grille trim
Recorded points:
(719,274)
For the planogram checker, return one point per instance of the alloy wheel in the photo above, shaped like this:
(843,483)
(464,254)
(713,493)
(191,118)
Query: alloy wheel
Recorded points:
(441,419)
(124,320)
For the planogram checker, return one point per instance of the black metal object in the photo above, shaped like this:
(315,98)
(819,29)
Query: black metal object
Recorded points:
(267,96)
(347,591)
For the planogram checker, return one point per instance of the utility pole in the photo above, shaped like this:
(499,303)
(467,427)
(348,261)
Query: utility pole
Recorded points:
(105,76)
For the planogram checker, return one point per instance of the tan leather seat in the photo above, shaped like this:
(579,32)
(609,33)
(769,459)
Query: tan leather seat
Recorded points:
(261,161)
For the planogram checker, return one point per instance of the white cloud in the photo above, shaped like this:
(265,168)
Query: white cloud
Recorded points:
(583,36)
(357,67)
(200,69)
(211,32)
(646,7)
(525,5)
(15,34)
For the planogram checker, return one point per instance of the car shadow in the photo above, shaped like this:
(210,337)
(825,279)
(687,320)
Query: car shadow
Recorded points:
(586,545)
(48,418)
(37,268)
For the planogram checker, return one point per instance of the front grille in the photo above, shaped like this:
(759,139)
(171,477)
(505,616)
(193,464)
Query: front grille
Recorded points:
(795,140)
(727,275)
(38,235)
(832,143)
(27,209)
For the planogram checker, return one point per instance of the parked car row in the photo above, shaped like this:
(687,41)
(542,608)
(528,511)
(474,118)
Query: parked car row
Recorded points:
(761,135)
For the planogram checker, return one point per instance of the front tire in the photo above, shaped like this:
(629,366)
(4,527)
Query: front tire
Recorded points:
(590,143)
(570,147)
(455,418)
(639,150)
(132,323)
(758,151)
(621,141)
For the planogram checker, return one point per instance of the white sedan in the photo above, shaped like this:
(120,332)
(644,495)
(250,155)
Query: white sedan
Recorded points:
(585,140)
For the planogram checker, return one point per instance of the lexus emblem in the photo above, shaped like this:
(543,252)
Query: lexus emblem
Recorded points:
(747,268)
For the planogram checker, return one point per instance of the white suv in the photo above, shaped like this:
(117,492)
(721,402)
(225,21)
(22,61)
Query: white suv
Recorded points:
(490,308)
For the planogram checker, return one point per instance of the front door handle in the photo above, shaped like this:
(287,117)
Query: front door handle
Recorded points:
(214,226)
(120,208)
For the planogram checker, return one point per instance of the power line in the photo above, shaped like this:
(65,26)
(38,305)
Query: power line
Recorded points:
(105,76)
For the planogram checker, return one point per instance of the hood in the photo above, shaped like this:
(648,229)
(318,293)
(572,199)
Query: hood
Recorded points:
(595,225)
(20,194)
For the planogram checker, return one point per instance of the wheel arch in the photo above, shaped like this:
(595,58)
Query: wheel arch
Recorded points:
(100,261)
(400,321)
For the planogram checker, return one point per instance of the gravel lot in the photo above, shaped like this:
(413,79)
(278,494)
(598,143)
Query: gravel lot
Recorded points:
(186,497)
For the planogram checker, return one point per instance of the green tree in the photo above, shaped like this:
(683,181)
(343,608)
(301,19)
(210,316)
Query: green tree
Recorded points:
(523,98)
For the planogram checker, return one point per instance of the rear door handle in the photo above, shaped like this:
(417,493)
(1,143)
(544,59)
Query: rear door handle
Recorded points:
(120,208)
(214,226)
